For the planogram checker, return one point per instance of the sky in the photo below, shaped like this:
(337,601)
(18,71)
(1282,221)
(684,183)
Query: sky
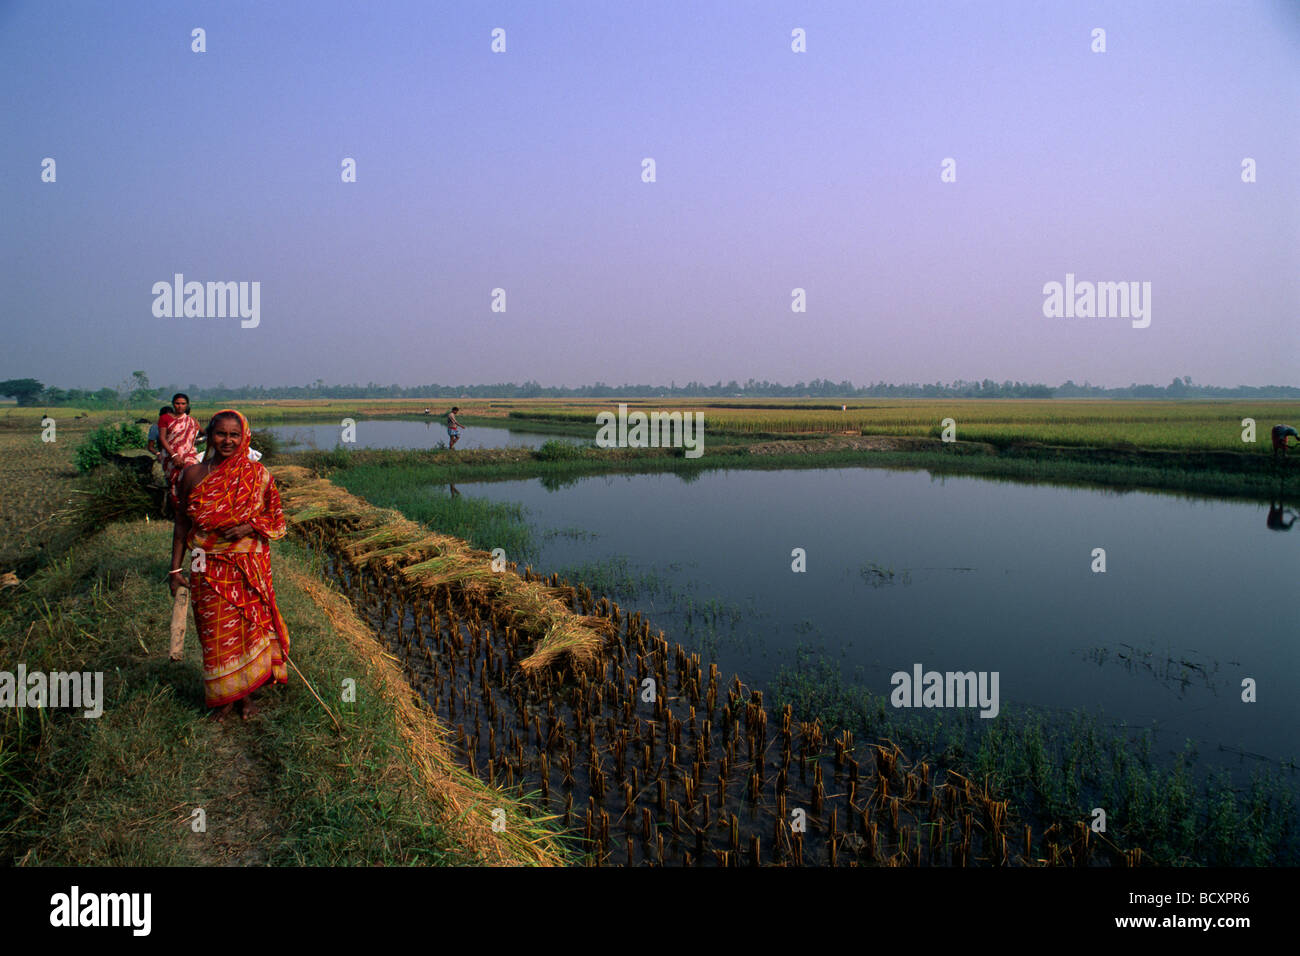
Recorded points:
(774,170)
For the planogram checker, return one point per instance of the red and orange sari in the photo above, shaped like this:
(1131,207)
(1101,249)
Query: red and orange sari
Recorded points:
(181,433)
(245,642)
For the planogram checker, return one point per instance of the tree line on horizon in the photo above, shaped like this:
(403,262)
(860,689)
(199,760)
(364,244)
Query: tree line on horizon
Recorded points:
(136,391)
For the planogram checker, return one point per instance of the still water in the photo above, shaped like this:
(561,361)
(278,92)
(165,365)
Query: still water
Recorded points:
(956,574)
(387,433)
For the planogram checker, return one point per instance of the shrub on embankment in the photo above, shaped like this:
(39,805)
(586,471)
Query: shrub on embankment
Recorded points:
(267,443)
(105,441)
(556,450)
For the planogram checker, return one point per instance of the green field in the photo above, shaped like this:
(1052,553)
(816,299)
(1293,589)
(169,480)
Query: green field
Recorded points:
(1174,425)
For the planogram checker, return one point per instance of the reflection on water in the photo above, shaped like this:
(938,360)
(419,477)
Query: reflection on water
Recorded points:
(432,433)
(960,574)
(1277,516)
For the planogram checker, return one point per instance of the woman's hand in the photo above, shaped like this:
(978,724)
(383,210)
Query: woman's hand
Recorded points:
(237,532)
(176,580)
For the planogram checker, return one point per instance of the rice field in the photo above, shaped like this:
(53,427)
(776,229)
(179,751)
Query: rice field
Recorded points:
(37,479)
(1167,425)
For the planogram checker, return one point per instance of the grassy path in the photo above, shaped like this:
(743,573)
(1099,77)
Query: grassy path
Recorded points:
(284,788)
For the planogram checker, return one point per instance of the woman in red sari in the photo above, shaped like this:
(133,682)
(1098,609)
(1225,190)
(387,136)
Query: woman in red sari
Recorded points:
(229,512)
(176,434)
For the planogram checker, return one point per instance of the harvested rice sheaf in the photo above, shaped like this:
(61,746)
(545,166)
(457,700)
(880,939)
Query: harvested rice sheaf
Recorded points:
(384,540)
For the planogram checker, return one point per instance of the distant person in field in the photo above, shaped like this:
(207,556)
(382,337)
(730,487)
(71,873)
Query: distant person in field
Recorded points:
(454,427)
(1280,435)
(230,511)
(177,433)
(155,448)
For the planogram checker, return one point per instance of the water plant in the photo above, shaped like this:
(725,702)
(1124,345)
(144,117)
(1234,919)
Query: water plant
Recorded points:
(1054,766)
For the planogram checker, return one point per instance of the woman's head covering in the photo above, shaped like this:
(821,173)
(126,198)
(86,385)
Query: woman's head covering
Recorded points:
(244,442)
(231,492)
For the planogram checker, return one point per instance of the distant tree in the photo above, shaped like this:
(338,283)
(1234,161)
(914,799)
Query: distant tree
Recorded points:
(27,391)
(139,391)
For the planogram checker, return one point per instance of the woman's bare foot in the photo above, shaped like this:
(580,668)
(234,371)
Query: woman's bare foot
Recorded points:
(248,710)
(221,713)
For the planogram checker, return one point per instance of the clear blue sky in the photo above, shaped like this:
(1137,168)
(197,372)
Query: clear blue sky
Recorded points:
(775,170)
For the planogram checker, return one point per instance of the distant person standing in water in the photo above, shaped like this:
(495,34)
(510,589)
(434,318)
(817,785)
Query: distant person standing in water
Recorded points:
(1280,435)
(454,427)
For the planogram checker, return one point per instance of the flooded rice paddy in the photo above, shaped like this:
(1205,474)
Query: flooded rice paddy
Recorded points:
(955,575)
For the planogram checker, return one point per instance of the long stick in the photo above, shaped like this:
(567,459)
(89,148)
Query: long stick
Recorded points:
(337,725)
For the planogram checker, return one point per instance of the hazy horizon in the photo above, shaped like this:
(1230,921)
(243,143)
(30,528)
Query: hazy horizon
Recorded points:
(776,170)
(708,383)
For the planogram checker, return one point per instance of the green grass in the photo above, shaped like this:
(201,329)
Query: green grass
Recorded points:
(412,491)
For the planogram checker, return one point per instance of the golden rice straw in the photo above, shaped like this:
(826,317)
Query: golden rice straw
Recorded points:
(373,537)
(464,799)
